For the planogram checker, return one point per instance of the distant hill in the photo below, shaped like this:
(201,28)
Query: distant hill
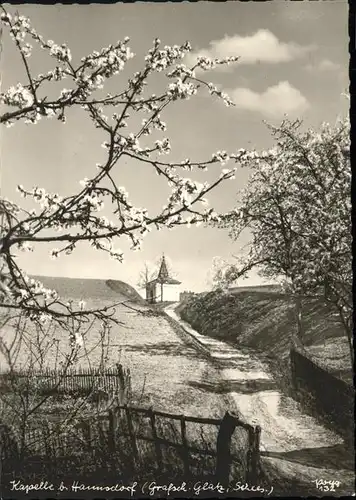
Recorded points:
(83,288)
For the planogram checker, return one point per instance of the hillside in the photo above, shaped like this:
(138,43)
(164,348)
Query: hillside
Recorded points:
(82,288)
(257,288)
(265,321)
(120,287)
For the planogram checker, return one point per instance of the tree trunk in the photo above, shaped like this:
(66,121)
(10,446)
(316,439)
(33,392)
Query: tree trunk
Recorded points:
(299,317)
(299,336)
(348,327)
(351,345)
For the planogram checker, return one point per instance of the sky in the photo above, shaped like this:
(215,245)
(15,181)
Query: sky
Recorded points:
(293,61)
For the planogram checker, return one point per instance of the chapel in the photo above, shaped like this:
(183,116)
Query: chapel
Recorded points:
(163,288)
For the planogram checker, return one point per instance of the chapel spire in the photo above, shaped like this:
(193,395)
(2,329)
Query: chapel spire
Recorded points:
(163,274)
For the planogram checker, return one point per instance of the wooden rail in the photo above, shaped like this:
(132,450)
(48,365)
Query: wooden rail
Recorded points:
(105,431)
(224,454)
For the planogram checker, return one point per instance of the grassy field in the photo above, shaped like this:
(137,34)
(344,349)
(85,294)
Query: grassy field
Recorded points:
(165,370)
(266,321)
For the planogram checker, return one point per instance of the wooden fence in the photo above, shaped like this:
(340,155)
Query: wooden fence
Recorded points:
(78,380)
(229,447)
(331,397)
(223,453)
(124,429)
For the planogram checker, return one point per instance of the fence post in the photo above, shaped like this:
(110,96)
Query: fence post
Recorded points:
(254,455)
(248,472)
(87,434)
(223,444)
(112,429)
(156,442)
(185,447)
(121,378)
(292,367)
(131,433)
(128,386)
(46,439)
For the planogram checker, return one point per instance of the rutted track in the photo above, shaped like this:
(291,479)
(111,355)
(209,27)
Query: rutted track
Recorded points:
(294,446)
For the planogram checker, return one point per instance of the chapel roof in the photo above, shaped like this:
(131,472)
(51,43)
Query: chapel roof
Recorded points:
(163,275)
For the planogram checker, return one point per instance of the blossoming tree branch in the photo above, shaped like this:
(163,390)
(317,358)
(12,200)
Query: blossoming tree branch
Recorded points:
(65,221)
(297,208)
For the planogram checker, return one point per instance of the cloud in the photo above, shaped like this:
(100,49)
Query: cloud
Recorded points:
(274,102)
(262,46)
(323,65)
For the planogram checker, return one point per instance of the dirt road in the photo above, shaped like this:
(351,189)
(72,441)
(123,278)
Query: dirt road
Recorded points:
(294,445)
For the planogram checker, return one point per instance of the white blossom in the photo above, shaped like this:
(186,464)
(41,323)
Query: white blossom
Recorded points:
(180,90)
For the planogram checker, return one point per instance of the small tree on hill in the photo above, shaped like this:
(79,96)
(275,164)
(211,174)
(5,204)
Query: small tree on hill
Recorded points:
(146,275)
(297,207)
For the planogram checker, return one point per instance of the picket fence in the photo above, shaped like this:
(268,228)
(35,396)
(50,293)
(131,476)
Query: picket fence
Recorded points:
(71,381)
